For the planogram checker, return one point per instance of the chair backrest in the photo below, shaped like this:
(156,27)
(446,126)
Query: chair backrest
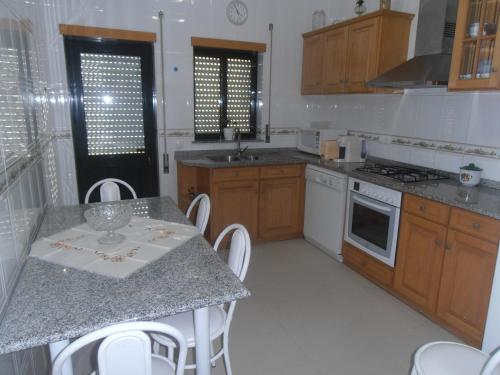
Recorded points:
(109,190)
(126,349)
(203,211)
(239,250)
(442,357)
(492,367)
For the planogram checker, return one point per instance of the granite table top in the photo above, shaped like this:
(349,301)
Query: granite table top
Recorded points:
(52,303)
(483,200)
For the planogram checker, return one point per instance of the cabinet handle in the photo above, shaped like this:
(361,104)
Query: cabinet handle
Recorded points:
(448,247)
(422,208)
(476,225)
(438,243)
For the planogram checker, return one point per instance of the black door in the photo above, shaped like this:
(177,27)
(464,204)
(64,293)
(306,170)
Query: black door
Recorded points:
(113,113)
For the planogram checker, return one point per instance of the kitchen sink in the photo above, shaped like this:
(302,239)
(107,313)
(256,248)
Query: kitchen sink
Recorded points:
(233,158)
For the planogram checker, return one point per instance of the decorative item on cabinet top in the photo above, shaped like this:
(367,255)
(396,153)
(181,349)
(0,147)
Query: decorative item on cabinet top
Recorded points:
(385,4)
(360,7)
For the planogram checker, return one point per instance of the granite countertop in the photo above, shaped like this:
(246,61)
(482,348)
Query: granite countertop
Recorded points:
(481,199)
(52,303)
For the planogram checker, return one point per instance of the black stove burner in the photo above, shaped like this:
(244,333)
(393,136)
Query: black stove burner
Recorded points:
(403,174)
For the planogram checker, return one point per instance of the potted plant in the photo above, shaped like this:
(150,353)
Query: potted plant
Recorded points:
(360,7)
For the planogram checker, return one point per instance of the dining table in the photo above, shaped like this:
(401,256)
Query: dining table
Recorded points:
(52,303)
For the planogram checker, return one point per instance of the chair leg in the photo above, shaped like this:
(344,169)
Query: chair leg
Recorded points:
(225,348)
(156,347)
(212,361)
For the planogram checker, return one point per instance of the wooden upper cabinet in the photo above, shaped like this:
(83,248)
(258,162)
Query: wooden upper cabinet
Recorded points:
(466,281)
(476,53)
(335,55)
(362,55)
(312,65)
(420,258)
(342,57)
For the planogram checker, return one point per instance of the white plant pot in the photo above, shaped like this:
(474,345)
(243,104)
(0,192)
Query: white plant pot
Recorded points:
(470,178)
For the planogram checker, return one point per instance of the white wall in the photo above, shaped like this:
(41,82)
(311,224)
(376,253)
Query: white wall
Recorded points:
(24,189)
(464,119)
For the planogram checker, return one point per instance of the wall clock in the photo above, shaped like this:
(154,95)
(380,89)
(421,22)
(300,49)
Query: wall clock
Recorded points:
(237,12)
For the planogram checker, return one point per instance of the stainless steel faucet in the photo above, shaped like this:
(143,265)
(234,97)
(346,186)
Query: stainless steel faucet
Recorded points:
(239,150)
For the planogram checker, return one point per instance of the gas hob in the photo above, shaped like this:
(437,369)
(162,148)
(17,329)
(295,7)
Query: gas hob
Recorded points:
(401,173)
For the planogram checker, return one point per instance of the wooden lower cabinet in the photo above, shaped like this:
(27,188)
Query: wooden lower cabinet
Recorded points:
(281,208)
(368,266)
(466,281)
(235,202)
(445,264)
(267,200)
(419,261)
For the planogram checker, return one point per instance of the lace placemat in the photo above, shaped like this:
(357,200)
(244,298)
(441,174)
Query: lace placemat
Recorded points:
(146,241)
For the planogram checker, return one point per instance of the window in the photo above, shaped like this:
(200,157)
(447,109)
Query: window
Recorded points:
(225,92)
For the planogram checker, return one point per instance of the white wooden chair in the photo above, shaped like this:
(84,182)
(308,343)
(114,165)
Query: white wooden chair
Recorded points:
(126,350)
(203,213)
(450,358)
(220,316)
(109,190)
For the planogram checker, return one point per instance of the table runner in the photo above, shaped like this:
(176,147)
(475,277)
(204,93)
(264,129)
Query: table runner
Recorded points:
(146,241)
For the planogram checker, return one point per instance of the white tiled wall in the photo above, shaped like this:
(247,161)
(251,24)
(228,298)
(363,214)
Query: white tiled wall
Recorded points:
(463,118)
(468,119)
(26,190)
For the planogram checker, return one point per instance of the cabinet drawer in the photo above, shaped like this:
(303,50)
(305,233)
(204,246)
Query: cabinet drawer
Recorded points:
(431,210)
(367,265)
(477,225)
(281,171)
(235,174)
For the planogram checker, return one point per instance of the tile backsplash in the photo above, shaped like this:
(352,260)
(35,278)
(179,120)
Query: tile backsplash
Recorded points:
(27,178)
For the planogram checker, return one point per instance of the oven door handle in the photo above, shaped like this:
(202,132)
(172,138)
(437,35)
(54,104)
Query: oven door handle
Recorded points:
(371,204)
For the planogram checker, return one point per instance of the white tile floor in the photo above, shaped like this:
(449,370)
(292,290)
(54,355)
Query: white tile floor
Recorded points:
(309,314)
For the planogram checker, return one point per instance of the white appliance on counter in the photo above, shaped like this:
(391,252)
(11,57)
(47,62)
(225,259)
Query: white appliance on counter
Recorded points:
(309,139)
(325,209)
(352,149)
(372,219)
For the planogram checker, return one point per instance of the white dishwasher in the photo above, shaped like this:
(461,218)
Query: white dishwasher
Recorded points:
(326,194)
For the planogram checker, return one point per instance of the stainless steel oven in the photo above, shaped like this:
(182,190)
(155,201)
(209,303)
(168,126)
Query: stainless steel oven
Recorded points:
(372,219)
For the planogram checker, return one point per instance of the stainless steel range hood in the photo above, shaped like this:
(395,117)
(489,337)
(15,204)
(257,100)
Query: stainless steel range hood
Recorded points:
(431,65)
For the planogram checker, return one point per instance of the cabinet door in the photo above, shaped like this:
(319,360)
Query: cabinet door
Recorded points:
(466,281)
(312,65)
(281,208)
(362,55)
(334,66)
(476,55)
(419,260)
(235,202)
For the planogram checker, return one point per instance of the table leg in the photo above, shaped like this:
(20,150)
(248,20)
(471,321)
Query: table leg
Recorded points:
(202,338)
(55,348)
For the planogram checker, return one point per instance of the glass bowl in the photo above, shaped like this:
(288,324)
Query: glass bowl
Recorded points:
(109,217)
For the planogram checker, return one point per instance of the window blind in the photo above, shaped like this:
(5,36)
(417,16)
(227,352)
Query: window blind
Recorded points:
(208,94)
(112,99)
(239,93)
(224,92)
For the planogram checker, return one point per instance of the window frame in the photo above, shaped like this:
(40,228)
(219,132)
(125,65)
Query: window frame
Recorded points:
(224,55)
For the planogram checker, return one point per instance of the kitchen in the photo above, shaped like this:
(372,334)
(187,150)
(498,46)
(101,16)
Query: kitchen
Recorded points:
(432,128)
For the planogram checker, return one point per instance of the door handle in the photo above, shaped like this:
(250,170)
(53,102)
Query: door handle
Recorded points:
(372,205)
(438,243)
